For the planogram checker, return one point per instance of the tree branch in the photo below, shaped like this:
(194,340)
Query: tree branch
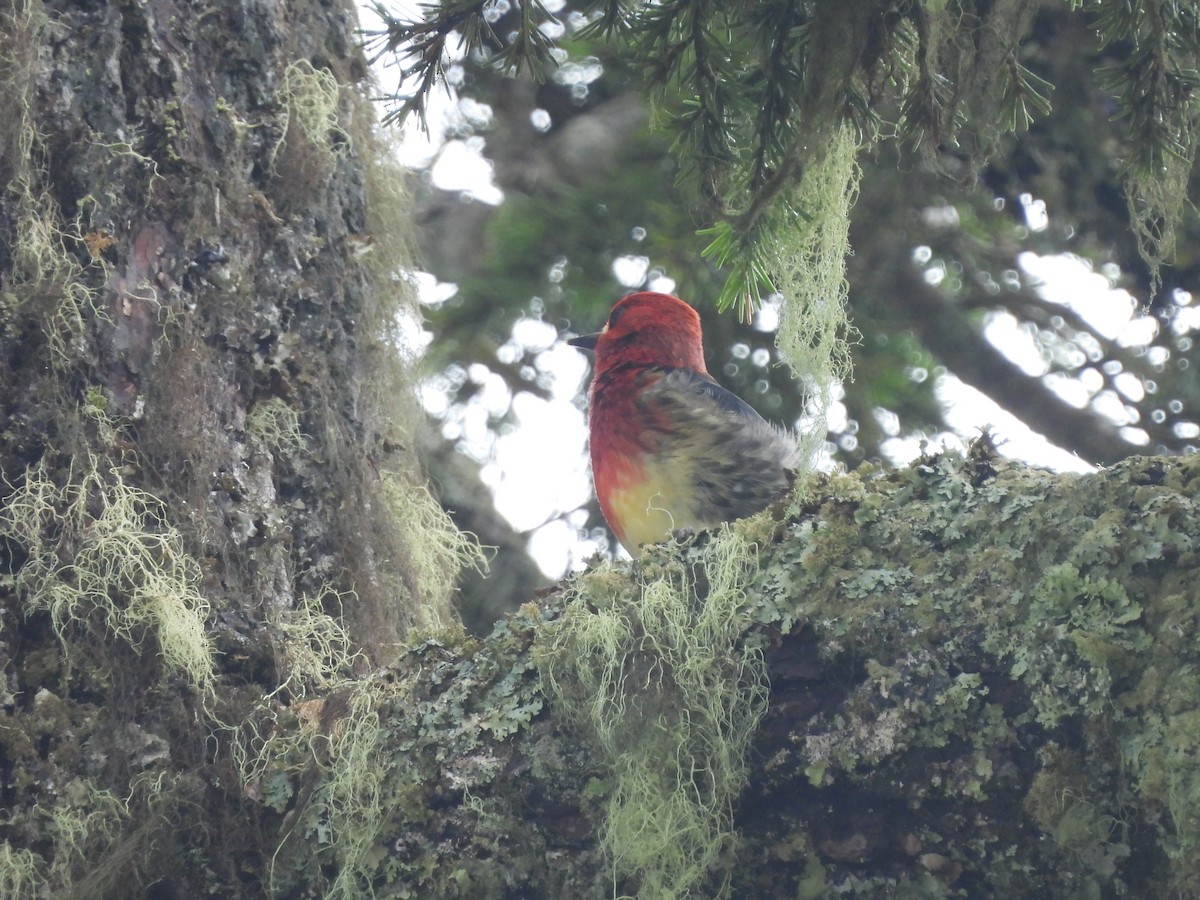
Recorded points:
(962,657)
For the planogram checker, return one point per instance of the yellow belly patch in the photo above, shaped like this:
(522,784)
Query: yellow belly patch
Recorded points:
(651,509)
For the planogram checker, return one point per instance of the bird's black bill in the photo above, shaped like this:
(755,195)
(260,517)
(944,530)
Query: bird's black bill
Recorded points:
(585,341)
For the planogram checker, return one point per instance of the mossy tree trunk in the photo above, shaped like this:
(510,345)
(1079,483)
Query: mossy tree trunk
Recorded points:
(210,505)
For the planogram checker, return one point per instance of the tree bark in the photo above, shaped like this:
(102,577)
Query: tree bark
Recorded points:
(981,683)
(209,495)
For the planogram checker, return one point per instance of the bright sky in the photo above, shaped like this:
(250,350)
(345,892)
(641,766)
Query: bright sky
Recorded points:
(538,471)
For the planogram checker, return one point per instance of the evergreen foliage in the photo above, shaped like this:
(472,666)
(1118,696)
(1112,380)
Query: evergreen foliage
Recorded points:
(754,92)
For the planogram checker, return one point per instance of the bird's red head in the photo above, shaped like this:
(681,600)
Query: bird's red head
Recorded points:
(649,329)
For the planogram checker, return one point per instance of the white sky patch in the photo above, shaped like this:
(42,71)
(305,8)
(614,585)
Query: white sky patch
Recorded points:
(968,412)
(944,216)
(454,165)
(544,466)
(1138,332)
(1037,217)
(472,434)
(661,283)
(1135,436)
(430,291)
(1067,280)
(1130,386)
(569,366)
(766,317)
(888,421)
(1015,340)
(534,334)
(412,336)
(1074,392)
(1109,404)
(900,451)
(630,271)
(837,416)
(460,167)
(1187,316)
(562,546)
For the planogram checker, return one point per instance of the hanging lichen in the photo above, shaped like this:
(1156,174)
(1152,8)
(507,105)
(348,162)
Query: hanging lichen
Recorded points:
(659,679)
(100,551)
(808,262)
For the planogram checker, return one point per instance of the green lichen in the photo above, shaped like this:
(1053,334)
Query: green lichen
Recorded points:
(315,127)
(310,100)
(85,819)
(363,768)
(101,566)
(424,548)
(329,748)
(43,273)
(316,653)
(22,873)
(275,427)
(437,550)
(100,551)
(993,743)
(82,824)
(948,583)
(348,810)
(808,265)
(47,275)
(663,684)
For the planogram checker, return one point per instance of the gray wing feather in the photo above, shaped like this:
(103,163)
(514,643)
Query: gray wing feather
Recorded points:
(739,462)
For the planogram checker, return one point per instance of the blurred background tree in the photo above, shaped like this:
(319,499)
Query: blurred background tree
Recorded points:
(1022,223)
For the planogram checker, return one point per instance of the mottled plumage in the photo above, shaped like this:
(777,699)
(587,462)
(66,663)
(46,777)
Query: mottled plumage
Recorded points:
(670,447)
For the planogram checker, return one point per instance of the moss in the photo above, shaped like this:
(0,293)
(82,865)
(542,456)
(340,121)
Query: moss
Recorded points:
(1094,642)
(1060,800)
(808,266)
(378,774)
(656,673)
(127,572)
(275,427)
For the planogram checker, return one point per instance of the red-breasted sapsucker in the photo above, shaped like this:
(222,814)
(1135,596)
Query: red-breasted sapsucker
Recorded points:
(670,447)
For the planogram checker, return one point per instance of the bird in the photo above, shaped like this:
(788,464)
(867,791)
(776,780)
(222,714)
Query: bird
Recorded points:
(670,448)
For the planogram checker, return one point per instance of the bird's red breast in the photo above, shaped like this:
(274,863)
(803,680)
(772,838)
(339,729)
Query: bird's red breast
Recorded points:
(670,448)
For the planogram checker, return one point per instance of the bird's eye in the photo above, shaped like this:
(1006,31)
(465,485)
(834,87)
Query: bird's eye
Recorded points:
(615,316)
